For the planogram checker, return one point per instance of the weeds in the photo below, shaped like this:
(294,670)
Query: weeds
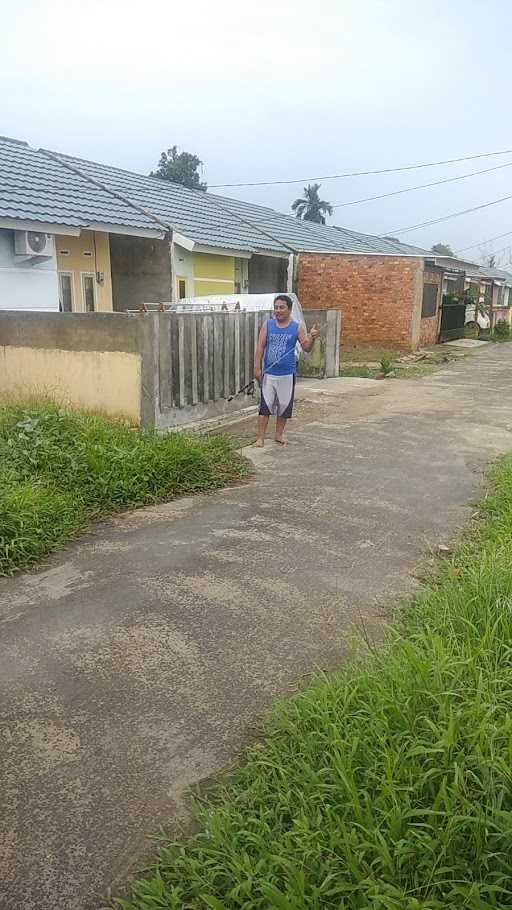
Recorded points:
(502,331)
(360,372)
(61,468)
(386,365)
(388,785)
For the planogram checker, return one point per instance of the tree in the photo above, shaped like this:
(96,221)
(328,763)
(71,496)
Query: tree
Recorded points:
(179,167)
(487,259)
(310,207)
(443,249)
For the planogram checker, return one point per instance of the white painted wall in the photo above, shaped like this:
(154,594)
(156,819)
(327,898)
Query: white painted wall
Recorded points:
(184,268)
(26,284)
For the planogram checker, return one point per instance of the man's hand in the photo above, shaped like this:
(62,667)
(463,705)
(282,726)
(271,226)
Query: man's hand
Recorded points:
(313,332)
(257,375)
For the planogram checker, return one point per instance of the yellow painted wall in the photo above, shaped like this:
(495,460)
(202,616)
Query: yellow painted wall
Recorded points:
(209,288)
(208,265)
(107,381)
(97,243)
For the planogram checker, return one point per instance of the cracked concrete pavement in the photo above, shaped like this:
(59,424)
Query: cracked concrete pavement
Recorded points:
(136,662)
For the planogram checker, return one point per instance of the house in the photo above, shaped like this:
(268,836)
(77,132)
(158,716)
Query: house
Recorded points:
(114,240)
(54,233)
(488,287)
(494,287)
(119,239)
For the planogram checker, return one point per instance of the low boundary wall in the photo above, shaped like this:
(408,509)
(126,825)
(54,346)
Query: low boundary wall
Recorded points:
(156,369)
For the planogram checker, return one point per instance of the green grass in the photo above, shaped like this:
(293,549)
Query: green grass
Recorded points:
(416,371)
(387,785)
(405,370)
(59,469)
(359,372)
(369,354)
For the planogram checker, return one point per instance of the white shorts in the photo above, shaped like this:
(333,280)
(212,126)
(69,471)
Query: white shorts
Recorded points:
(277,393)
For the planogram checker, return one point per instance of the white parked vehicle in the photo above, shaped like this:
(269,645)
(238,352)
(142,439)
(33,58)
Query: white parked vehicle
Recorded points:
(476,319)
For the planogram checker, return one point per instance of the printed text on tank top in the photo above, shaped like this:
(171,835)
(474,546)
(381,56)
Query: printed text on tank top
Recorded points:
(280,345)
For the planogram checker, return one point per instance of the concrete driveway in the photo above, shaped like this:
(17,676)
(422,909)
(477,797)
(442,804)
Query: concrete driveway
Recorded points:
(137,661)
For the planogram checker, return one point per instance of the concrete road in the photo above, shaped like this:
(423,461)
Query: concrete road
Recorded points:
(137,661)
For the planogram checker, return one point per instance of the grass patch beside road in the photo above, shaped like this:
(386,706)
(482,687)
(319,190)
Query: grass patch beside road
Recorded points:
(399,372)
(387,785)
(359,372)
(402,367)
(59,469)
(369,354)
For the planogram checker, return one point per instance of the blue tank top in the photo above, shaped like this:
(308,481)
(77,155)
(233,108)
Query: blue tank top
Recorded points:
(280,357)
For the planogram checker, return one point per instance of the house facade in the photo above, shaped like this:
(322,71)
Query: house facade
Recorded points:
(26,283)
(488,291)
(116,240)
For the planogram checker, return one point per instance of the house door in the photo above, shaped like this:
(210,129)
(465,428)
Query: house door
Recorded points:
(453,319)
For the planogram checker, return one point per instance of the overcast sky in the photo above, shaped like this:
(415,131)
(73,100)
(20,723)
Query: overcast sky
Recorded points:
(278,90)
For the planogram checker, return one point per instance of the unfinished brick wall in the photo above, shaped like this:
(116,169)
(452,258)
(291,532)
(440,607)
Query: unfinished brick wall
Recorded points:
(379,296)
(430,326)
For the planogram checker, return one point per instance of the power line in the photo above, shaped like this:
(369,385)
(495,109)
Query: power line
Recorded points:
(476,208)
(387,170)
(502,250)
(473,246)
(422,186)
(498,252)
(410,189)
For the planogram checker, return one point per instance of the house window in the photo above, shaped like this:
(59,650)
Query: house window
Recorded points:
(182,288)
(65,292)
(429,305)
(88,292)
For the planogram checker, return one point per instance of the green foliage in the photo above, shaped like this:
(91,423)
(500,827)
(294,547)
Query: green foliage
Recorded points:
(502,330)
(442,249)
(310,207)
(60,468)
(471,295)
(386,365)
(452,300)
(179,167)
(358,372)
(387,785)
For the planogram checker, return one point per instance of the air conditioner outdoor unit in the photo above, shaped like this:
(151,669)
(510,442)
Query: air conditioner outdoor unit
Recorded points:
(33,243)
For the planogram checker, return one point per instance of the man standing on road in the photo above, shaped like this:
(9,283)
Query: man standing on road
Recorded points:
(276,347)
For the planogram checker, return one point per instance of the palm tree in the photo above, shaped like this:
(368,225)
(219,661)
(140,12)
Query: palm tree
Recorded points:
(310,207)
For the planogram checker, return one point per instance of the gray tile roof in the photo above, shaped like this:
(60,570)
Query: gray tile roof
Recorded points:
(386,246)
(35,187)
(51,187)
(191,212)
(498,274)
(488,273)
(308,236)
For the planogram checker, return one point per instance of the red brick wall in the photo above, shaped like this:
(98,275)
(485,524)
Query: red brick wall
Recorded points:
(430,326)
(429,331)
(379,296)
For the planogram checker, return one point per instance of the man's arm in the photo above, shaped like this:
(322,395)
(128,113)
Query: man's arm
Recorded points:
(307,339)
(262,340)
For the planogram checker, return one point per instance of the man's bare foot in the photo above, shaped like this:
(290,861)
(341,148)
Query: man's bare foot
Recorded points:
(281,442)
(259,443)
